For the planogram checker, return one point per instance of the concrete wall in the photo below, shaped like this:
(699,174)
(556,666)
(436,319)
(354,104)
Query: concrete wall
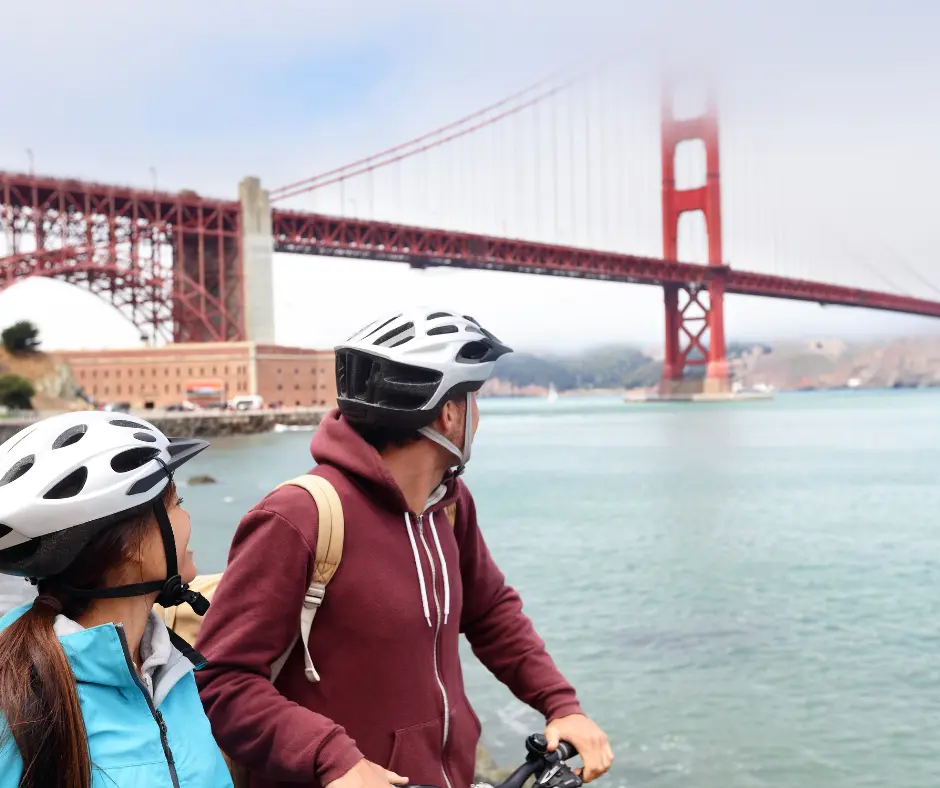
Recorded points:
(205,424)
(257,261)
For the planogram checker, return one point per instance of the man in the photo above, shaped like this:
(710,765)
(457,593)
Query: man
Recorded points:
(390,705)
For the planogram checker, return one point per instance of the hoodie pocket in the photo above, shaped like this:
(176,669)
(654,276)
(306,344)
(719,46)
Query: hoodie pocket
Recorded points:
(476,720)
(462,743)
(417,752)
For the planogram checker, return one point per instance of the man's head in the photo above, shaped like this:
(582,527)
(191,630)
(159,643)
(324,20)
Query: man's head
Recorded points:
(414,376)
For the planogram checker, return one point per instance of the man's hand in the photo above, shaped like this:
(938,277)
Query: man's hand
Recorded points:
(366,774)
(590,741)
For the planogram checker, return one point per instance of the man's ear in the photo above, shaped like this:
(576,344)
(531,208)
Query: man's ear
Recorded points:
(447,418)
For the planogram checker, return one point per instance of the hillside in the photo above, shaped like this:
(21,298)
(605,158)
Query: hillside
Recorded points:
(604,368)
(900,363)
(50,376)
(816,364)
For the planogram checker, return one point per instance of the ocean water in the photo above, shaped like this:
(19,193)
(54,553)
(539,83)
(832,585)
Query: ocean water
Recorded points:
(743,595)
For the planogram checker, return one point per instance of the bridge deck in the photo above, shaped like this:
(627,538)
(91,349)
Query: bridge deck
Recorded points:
(307,233)
(310,233)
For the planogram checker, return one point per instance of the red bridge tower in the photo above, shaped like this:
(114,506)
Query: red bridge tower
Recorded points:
(695,325)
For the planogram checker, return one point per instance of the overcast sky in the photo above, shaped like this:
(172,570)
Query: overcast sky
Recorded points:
(830,122)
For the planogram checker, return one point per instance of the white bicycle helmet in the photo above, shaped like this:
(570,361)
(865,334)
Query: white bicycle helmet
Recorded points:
(399,371)
(66,478)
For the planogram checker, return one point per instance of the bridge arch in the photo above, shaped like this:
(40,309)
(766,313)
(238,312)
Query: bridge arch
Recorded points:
(139,290)
(170,262)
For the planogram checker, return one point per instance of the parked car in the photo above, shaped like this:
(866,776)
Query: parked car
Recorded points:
(248,402)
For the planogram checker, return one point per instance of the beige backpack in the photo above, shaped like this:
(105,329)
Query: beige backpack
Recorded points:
(330,532)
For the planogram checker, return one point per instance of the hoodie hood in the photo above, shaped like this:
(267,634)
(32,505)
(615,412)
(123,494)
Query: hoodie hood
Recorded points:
(337,443)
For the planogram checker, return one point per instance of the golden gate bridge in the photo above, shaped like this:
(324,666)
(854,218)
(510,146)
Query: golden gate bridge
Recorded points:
(188,268)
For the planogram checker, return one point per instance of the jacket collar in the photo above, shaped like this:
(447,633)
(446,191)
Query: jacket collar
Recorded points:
(99,655)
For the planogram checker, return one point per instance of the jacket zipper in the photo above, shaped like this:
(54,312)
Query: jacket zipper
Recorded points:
(157,716)
(437,633)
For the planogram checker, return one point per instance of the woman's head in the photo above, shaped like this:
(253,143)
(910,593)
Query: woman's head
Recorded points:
(70,480)
(128,553)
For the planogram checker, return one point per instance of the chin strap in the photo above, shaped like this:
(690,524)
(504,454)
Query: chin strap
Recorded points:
(173,591)
(463,456)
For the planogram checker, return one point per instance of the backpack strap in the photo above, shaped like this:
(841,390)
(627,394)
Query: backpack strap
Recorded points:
(451,512)
(330,534)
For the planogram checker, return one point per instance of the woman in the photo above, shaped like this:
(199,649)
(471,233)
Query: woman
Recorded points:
(94,690)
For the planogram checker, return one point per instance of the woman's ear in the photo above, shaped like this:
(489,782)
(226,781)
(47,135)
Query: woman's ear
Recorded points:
(143,549)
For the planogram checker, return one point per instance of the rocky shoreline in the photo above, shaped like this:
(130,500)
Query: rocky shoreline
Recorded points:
(204,423)
(486,771)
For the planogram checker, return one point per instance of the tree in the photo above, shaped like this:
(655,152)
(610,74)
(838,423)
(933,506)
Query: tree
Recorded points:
(22,337)
(16,392)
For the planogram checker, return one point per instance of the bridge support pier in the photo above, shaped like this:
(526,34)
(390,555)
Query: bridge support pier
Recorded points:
(257,251)
(695,331)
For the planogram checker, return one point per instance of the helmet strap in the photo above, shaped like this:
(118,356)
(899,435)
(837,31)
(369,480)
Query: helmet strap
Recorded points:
(462,456)
(172,590)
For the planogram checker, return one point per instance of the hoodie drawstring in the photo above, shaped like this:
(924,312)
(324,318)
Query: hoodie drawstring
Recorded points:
(420,570)
(414,551)
(440,555)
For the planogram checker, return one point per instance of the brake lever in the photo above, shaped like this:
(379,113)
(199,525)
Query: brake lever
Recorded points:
(557,773)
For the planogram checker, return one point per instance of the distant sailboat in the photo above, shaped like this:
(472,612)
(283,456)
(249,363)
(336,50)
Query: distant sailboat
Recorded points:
(552,393)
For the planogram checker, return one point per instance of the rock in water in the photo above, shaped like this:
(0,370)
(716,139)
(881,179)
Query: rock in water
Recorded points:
(203,479)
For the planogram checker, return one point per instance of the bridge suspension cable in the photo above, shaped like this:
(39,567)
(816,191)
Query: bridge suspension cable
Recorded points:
(518,102)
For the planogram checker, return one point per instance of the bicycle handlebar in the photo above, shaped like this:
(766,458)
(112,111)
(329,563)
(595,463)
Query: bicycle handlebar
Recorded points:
(549,767)
(566,751)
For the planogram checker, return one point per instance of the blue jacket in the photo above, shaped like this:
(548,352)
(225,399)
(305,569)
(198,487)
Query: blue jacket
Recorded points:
(142,733)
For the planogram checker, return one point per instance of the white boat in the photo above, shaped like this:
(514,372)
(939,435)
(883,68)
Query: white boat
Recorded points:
(552,393)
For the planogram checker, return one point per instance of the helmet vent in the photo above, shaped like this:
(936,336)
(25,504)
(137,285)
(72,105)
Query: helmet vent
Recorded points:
(448,329)
(18,469)
(25,434)
(131,459)
(381,326)
(146,437)
(395,332)
(70,436)
(70,486)
(473,351)
(134,425)
(436,315)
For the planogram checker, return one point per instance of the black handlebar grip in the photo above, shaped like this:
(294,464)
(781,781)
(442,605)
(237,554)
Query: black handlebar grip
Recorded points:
(537,745)
(566,750)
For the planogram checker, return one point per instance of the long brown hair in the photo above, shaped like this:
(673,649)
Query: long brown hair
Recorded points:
(38,696)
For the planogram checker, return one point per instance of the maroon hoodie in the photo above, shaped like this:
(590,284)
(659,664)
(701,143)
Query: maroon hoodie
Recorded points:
(385,641)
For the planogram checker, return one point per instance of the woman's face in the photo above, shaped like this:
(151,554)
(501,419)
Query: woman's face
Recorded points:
(153,559)
(182,531)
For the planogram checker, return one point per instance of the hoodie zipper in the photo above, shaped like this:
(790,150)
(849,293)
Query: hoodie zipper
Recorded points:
(157,716)
(437,634)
